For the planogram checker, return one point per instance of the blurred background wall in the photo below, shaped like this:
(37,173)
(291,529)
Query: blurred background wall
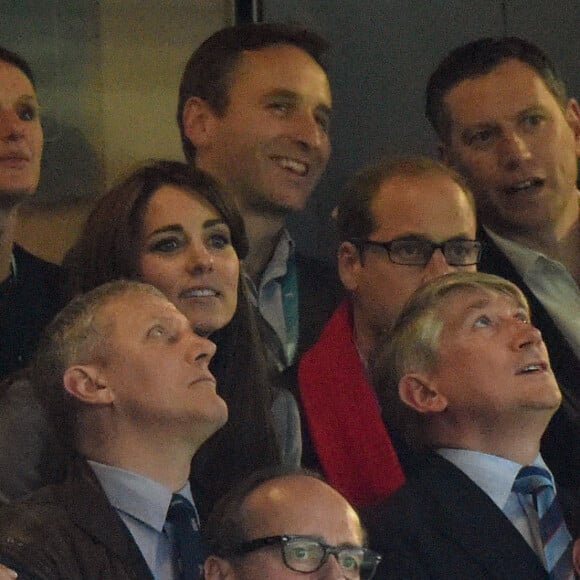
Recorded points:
(108,72)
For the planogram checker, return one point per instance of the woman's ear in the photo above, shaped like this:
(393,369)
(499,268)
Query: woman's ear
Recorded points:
(86,383)
(420,393)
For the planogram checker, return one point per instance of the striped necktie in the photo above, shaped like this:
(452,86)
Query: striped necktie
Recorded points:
(536,481)
(188,547)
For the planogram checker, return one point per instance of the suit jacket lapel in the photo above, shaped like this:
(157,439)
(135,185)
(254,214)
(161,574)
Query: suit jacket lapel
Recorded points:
(83,495)
(478,527)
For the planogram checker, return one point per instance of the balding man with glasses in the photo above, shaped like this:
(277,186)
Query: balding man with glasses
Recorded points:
(282,523)
(401,223)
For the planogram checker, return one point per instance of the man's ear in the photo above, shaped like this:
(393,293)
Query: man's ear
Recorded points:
(572,114)
(349,265)
(198,119)
(216,568)
(419,393)
(86,383)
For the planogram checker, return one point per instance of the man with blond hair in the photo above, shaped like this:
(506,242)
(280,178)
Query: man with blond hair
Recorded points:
(126,384)
(466,378)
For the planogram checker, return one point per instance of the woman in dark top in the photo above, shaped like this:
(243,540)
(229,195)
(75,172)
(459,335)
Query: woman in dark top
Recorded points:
(29,287)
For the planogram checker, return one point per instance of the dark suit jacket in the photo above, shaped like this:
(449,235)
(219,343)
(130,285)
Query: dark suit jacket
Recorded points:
(441,526)
(561,441)
(319,293)
(27,305)
(69,531)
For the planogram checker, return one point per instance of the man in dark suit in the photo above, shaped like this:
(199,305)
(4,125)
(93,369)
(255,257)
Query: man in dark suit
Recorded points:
(504,121)
(126,384)
(466,378)
(254,111)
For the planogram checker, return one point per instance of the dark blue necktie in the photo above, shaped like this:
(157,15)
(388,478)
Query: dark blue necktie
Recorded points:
(535,481)
(189,550)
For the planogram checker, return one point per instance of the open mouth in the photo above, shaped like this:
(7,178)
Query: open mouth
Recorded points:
(527,186)
(199,293)
(292,165)
(532,368)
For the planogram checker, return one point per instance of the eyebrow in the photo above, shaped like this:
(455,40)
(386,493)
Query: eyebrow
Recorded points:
(178,228)
(295,97)
(420,237)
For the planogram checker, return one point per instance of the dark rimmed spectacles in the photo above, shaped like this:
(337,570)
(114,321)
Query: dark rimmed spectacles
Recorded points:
(418,251)
(306,554)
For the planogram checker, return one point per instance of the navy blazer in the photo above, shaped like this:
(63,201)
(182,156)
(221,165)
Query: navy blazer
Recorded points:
(442,526)
(561,441)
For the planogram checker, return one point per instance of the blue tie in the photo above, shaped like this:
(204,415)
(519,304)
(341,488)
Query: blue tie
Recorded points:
(190,552)
(535,481)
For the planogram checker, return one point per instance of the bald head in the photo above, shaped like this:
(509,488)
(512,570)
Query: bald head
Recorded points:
(293,504)
(301,504)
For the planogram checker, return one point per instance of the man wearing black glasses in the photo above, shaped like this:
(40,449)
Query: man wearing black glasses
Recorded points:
(401,223)
(282,524)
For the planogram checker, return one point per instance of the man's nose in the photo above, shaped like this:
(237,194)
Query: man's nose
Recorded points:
(307,130)
(436,267)
(513,150)
(200,350)
(331,570)
(526,335)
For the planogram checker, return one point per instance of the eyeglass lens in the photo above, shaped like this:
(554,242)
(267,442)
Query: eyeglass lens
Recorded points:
(419,252)
(308,555)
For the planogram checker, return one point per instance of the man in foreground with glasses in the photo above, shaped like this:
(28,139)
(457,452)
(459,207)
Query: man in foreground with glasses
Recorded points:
(280,524)
(401,223)
(466,379)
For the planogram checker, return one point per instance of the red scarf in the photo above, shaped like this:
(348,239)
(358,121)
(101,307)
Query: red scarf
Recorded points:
(348,433)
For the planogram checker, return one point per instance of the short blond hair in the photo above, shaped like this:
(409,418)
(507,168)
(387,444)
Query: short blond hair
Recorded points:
(77,335)
(412,345)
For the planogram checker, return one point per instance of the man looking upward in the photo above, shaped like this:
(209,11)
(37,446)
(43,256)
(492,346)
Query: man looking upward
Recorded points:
(126,383)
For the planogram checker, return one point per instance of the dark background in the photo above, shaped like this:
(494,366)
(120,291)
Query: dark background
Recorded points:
(383,53)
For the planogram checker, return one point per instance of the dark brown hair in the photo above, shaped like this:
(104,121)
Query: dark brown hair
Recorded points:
(209,72)
(478,58)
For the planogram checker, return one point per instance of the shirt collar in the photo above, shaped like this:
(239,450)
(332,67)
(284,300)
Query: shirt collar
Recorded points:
(278,264)
(523,258)
(136,495)
(494,475)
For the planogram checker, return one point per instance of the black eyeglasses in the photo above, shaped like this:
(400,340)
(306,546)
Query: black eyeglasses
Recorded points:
(306,554)
(418,251)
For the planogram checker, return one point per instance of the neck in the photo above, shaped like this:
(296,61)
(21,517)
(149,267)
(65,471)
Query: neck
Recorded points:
(263,235)
(263,230)
(150,454)
(365,335)
(559,239)
(8,221)
(518,442)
